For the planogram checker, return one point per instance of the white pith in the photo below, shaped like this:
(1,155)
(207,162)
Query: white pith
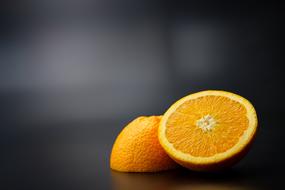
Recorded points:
(206,123)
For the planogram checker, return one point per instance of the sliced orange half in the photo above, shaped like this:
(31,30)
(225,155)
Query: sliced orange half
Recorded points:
(208,130)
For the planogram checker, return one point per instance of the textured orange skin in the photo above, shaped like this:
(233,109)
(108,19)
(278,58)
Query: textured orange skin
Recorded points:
(137,148)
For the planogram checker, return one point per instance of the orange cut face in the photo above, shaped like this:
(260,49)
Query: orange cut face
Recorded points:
(207,125)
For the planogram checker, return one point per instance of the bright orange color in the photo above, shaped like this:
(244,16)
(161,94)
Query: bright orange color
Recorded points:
(137,148)
(208,130)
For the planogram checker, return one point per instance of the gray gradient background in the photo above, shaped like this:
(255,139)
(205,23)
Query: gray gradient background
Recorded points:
(73,73)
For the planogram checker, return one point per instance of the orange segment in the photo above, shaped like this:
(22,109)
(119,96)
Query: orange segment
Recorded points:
(205,129)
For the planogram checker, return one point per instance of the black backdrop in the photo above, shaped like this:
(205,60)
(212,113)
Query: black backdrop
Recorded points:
(73,73)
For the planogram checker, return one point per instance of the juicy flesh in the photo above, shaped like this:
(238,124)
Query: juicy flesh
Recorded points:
(207,125)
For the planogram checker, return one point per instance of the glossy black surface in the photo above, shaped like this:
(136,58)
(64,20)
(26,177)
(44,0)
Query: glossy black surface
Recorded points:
(76,156)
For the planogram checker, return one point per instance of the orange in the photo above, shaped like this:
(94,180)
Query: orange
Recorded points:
(208,130)
(137,148)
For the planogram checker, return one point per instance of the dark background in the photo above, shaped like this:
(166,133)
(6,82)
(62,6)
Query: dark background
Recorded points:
(73,73)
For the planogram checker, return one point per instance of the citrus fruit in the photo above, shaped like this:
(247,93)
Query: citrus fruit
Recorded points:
(208,130)
(137,148)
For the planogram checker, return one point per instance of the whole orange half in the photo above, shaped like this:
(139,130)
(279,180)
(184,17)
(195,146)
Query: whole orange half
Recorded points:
(208,130)
(137,148)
